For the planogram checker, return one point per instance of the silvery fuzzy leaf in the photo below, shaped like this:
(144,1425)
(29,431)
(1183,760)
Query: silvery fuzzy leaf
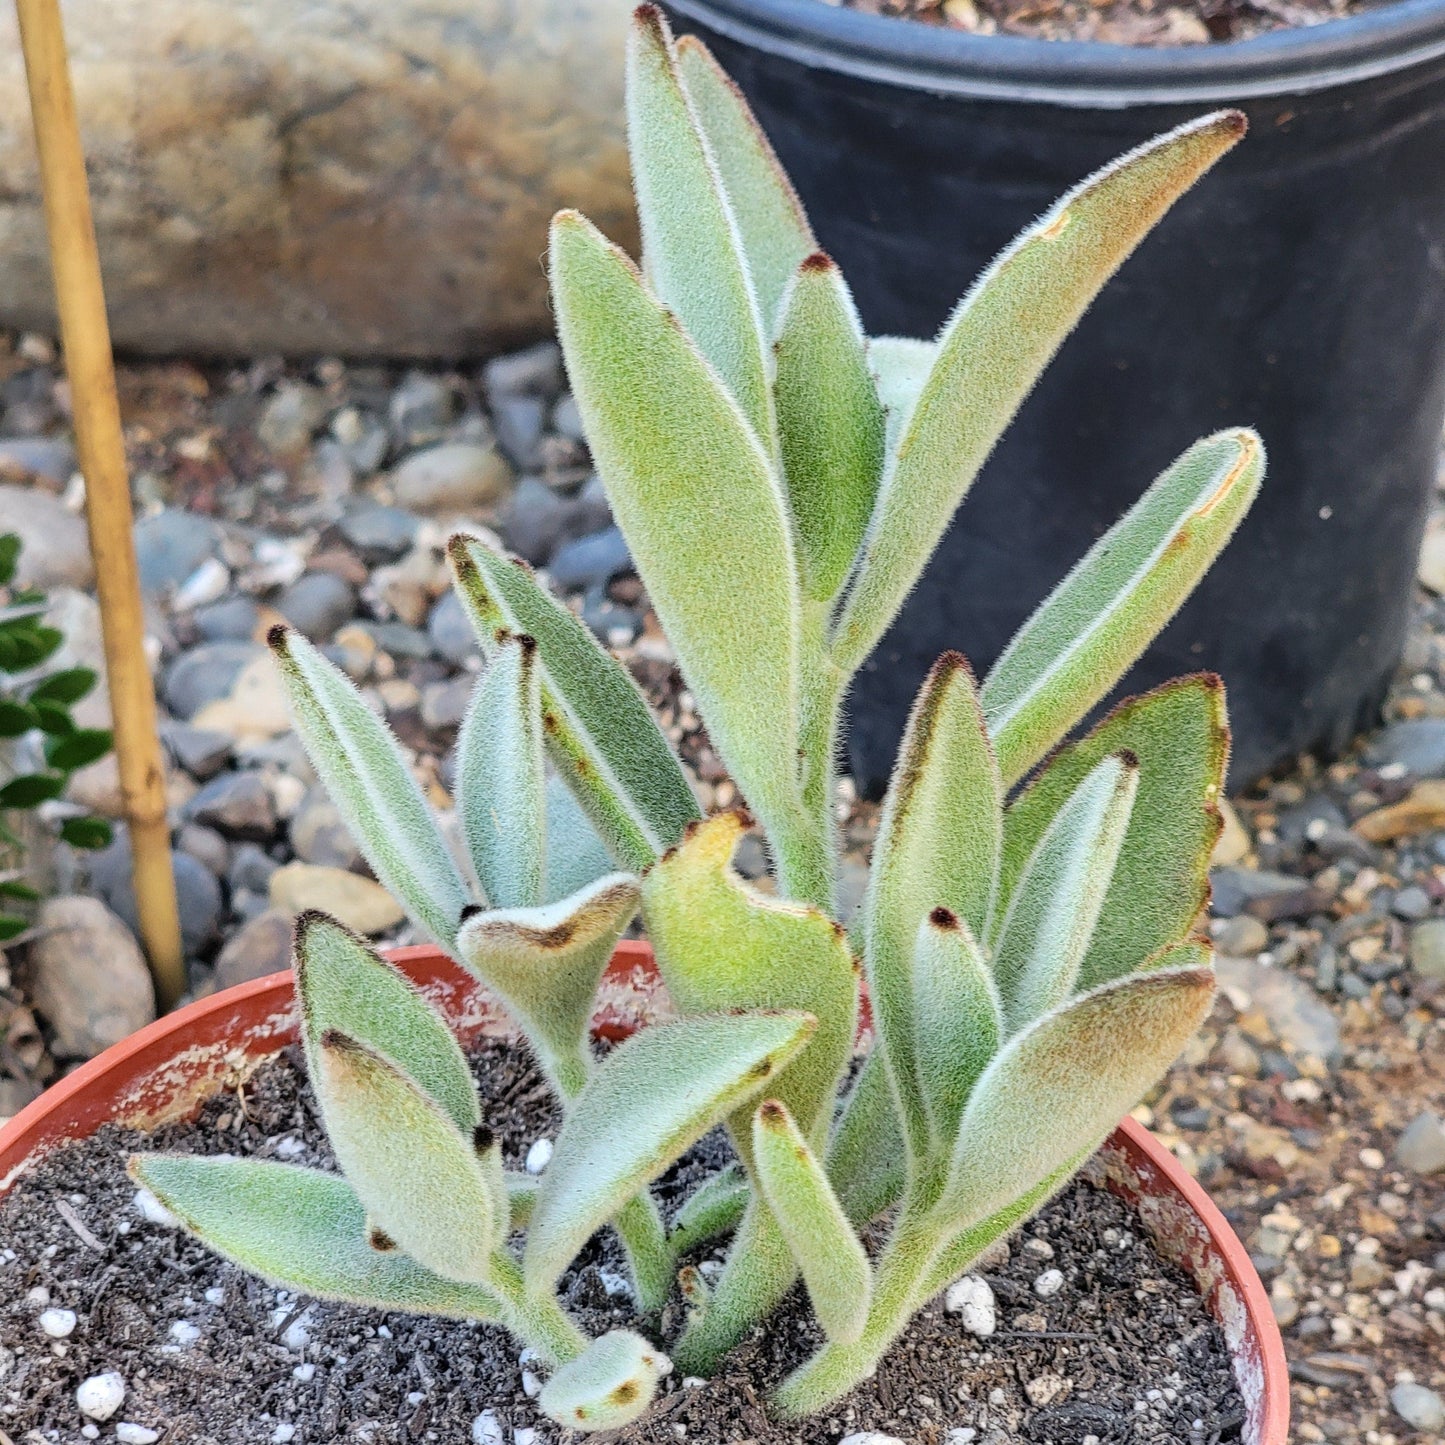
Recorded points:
(679,462)
(608,1385)
(771,225)
(1180,735)
(830,423)
(1050,920)
(992,349)
(546,963)
(437,1193)
(304,1231)
(646,1103)
(501,778)
(343,984)
(1066,1079)
(1096,622)
(691,245)
(937,846)
(359,761)
(830,1255)
(599,732)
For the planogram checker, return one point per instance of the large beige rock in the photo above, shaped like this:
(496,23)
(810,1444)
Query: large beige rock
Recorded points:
(364,178)
(88,976)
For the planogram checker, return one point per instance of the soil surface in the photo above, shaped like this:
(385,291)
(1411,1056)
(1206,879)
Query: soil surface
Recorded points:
(1118,22)
(1116,1345)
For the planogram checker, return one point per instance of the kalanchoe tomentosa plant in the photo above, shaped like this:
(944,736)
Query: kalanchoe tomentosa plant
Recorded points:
(1029,946)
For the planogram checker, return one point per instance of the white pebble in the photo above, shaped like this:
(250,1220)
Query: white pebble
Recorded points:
(283,1434)
(215,1295)
(615,1284)
(58,1324)
(129,1434)
(305,1372)
(693,1382)
(870,1437)
(297,1336)
(523,1436)
(1049,1283)
(531,1385)
(961,1435)
(90,1432)
(184,1333)
(539,1156)
(100,1396)
(39,1296)
(487,1429)
(153,1211)
(1040,1247)
(290,1147)
(972,1298)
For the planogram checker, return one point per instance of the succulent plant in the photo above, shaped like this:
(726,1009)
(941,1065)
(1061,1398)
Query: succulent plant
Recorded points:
(1029,942)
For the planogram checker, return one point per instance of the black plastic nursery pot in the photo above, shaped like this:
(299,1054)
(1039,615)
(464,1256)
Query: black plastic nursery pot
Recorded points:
(1300,288)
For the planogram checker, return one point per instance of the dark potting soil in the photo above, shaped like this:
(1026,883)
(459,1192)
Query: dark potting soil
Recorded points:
(1123,1352)
(1119,22)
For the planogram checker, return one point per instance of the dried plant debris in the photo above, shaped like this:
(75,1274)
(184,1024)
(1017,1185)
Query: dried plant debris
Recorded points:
(1116,22)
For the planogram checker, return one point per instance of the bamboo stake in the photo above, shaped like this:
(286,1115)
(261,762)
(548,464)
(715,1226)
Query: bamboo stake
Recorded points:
(85,334)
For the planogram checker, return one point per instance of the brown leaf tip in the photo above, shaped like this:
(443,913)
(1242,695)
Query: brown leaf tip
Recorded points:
(381,1241)
(770,1113)
(818,261)
(527,643)
(469,912)
(1128,757)
(482,1138)
(276,637)
(944,918)
(649,15)
(625,1393)
(1235,122)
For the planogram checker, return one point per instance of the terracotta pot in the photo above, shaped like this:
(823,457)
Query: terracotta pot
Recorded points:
(163,1072)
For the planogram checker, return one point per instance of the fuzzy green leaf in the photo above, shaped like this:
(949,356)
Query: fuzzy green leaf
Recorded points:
(774,232)
(712,1209)
(1051,917)
(361,764)
(723,945)
(607,1386)
(830,1256)
(1068,1078)
(501,778)
(546,963)
(438,1193)
(992,349)
(302,1230)
(958,1023)
(576,856)
(1097,621)
(344,985)
(867,1158)
(938,843)
(651,1099)
(830,423)
(1180,735)
(600,734)
(690,242)
(679,462)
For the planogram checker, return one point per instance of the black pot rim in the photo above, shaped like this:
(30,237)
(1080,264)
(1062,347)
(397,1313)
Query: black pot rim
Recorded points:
(1380,41)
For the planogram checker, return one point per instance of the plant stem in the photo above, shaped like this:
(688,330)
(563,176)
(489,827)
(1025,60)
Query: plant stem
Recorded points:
(539,1320)
(759,1272)
(639,1225)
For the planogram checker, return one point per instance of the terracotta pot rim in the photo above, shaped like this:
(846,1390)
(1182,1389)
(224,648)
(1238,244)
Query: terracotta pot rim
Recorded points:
(272,997)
